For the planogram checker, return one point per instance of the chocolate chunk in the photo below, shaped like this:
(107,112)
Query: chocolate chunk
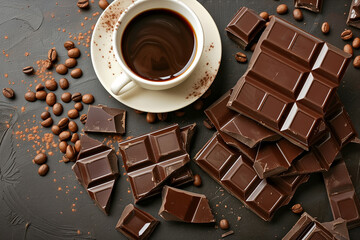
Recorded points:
(338,228)
(183,206)
(354,14)
(312,5)
(187,134)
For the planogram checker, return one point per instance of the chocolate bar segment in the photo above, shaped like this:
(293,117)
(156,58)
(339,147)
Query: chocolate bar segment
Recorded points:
(290,82)
(312,5)
(245,27)
(105,120)
(187,134)
(354,14)
(136,224)
(342,196)
(338,228)
(184,206)
(96,169)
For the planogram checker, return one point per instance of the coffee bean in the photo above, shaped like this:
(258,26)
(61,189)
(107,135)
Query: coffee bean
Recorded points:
(83,4)
(76,73)
(197,180)
(40,158)
(30,96)
(208,124)
(63,123)
(150,117)
(51,85)
(73,113)
(179,113)
(62,146)
(198,105)
(47,122)
(325,28)
(58,109)
(162,116)
(70,62)
(297,13)
(73,127)
(8,93)
(63,83)
(83,118)
(74,138)
(224,224)
(78,106)
(356,62)
(39,87)
(66,97)
(103,4)
(65,159)
(43,169)
(55,129)
(52,55)
(61,69)
(41,95)
(70,152)
(77,146)
(282,9)
(297,208)
(88,99)
(74,53)
(356,43)
(64,136)
(264,15)
(47,64)
(51,99)
(76,97)
(45,115)
(28,70)
(69,45)
(346,35)
(240,57)
(348,49)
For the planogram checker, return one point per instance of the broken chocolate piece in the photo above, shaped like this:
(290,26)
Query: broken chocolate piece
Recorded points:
(312,5)
(338,228)
(187,134)
(354,14)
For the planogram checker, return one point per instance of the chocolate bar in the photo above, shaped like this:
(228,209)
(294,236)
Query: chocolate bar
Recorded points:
(184,206)
(245,26)
(234,171)
(97,169)
(342,196)
(105,120)
(338,228)
(151,160)
(291,79)
(312,5)
(136,224)
(354,14)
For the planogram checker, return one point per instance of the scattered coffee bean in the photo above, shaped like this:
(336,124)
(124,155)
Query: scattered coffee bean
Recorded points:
(39,87)
(61,69)
(73,113)
(65,159)
(356,43)
(88,99)
(62,146)
(162,116)
(30,96)
(63,123)
(356,62)
(56,129)
(43,169)
(70,152)
(346,35)
(52,55)
(348,49)
(8,93)
(150,117)
(41,95)
(64,136)
(76,73)
(51,85)
(325,28)
(198,105)
(74,137)
(74,53)
(282,9)
(224,224)
(83,118)
(47,122)
(297,13)
(66,97)
(264,15)
(40,158)
(179,113)
(76,97)
(28,70)
(83,4)
(240,57)
(208,124)
(197,180)
(63,83)
(77,146)
(58,109)
(78,106)
(45,115)
(47,64)
(297,208)
(69,45)
(73,127)
(103,4)
(70,62)
(51,99)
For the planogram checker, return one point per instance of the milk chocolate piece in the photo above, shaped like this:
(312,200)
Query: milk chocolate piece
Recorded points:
(136,224)
(312,5)
(97,169)
(153,159)
(354,14)
(338,228)
(245,26)
(105,120)
(234,171)
(342,196)
(183,206)
(291,79)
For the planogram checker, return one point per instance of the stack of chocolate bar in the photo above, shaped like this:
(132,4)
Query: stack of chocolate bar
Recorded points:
(282,121)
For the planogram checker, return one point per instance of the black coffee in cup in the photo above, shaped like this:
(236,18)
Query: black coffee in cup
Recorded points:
(158,45)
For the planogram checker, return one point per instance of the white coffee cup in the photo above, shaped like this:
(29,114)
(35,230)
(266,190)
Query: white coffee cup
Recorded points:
(128,76)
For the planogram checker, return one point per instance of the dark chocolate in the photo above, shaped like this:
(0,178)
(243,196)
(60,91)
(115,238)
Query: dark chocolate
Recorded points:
(354,14)
(184,206)
(338,228)
(187,134)
(312,5)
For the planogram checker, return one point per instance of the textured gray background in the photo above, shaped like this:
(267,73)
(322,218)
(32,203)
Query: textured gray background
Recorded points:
(34,203)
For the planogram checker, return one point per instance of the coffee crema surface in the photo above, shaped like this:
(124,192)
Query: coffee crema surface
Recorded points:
(158,44)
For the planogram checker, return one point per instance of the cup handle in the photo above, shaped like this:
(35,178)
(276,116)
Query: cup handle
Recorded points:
(120,82)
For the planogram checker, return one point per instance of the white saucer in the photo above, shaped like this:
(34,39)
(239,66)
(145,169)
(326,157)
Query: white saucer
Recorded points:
(106,66)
